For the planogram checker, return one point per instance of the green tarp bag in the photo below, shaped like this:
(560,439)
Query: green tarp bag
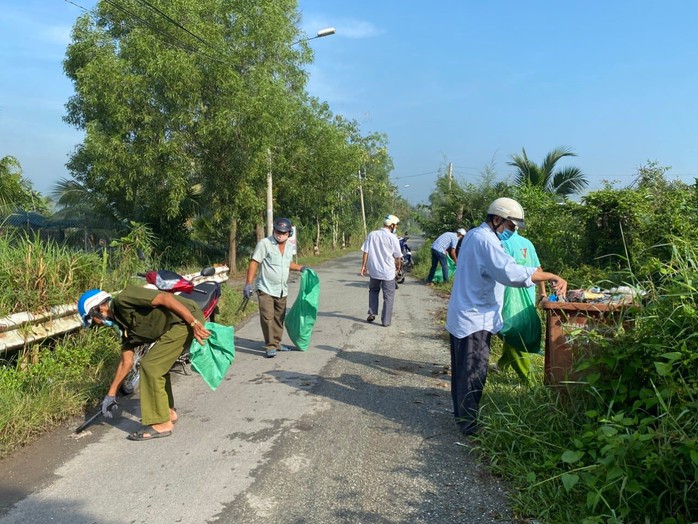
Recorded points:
(522,328)
(439,275)
(212,359)
(300,319)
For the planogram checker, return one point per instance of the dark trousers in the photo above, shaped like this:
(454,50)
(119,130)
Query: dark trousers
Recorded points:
(438,257)
(469,359)
(374,288)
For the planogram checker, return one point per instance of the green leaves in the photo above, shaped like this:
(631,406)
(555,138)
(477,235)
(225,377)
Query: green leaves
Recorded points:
(564,182)
(571,457)
(569,480)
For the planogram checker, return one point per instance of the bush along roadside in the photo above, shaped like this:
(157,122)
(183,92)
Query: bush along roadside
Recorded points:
(621,445)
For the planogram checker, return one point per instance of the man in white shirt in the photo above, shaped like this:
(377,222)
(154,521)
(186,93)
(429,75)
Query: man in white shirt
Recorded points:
(381,258)
(475,307)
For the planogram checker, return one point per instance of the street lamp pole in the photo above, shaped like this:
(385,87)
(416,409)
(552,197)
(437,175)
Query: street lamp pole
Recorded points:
(270,189)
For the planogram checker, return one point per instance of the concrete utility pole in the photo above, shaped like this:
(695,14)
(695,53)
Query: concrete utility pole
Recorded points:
(450,175)
(270,199)
(363,209)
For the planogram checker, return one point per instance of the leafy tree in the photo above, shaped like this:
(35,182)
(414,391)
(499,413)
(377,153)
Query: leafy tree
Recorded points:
(455,203)
(15,191)
(625,228)
(562,182)
(170,115)
(184,121)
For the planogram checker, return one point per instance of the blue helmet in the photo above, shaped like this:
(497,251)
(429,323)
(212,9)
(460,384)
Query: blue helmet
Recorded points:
(89,300)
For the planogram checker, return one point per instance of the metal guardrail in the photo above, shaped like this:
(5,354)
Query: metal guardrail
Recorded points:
(23,329)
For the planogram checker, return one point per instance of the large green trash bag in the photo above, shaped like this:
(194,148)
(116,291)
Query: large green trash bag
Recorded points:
(522,328)
(212,359)
(439,274)
(300,319)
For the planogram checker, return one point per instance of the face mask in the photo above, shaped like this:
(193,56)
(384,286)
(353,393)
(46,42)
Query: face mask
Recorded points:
(107,322)
(280,240)
(505,235)
(116,328)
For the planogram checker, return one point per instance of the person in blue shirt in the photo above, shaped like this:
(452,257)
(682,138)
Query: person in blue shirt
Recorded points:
(443,247)
(475,307)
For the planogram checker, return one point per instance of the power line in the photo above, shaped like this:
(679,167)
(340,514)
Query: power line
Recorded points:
(413,176)
(77,5)
(177,24)
(168,39)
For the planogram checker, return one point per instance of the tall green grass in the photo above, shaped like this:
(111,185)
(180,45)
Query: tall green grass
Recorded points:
(72,373)
(36,275)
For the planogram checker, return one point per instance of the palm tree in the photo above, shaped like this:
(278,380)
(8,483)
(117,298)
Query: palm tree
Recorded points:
(563,182)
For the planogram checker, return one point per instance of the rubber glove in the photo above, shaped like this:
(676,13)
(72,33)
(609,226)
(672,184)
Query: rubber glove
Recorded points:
(303,268)
(247,292)
(108,405)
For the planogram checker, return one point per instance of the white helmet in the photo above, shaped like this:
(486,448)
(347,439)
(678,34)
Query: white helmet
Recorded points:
(508,208)
(391,220)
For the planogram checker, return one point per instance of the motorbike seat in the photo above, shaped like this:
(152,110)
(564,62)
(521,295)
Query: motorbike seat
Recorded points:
(204,294)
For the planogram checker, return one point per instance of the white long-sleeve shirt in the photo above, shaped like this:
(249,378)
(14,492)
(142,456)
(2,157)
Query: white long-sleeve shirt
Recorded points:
(477,296)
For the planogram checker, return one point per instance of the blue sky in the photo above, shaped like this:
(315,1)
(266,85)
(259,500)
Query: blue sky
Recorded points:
(468,82)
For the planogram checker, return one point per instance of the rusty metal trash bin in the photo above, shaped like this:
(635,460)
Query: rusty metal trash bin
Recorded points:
(563,322)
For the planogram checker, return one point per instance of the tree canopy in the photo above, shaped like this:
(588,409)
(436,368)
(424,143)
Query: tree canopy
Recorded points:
(188,105)
(563,182)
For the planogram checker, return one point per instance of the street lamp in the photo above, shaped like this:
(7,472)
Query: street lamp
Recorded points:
(270,188)
(321,33)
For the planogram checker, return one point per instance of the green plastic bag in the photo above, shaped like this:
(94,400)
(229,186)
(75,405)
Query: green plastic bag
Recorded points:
(212,359)
(300,319)
(522,328)
(439,275)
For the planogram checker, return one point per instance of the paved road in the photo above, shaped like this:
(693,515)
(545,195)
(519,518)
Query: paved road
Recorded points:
(358,429)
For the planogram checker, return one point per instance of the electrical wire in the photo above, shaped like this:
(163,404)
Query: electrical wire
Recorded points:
(177,24)
(168,39)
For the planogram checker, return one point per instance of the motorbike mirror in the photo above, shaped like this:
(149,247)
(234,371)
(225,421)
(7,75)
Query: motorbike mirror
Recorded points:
(208,271)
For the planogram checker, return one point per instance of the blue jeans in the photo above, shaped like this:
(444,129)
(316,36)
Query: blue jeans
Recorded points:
(438,257)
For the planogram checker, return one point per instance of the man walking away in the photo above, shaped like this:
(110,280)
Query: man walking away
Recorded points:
(381,258)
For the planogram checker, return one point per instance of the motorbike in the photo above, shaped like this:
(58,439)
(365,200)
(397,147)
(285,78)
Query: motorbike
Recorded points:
(206,294)
(406,262)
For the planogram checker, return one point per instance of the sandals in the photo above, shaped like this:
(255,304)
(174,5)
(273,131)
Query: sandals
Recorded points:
(148,433)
